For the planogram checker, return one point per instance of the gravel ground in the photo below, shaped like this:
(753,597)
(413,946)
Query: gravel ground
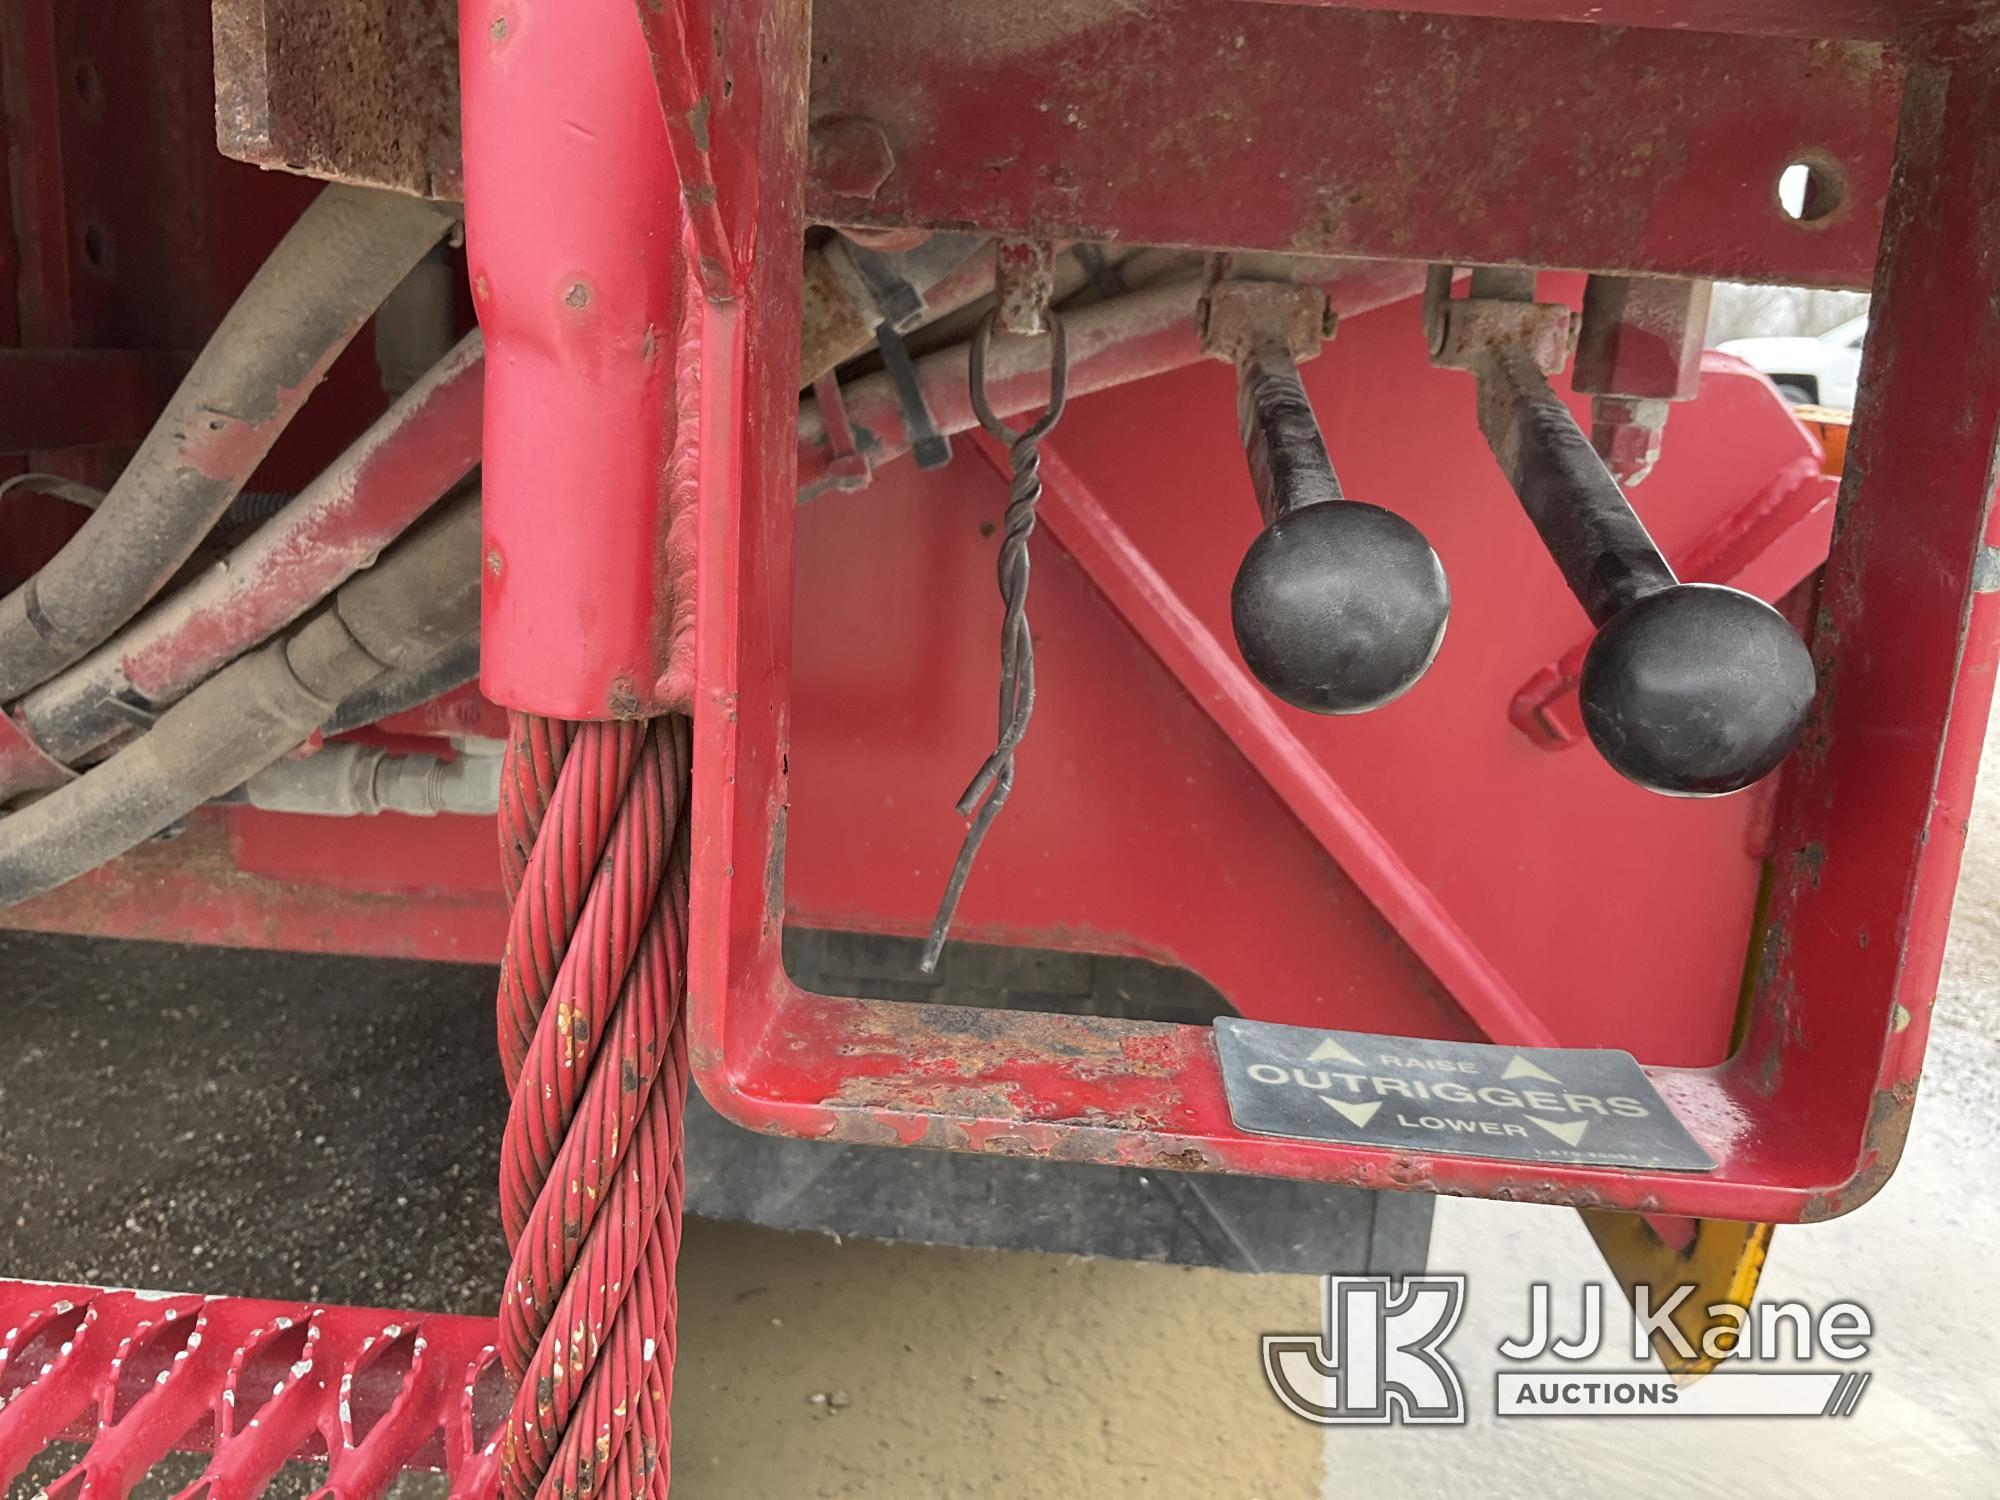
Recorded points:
(296,1127)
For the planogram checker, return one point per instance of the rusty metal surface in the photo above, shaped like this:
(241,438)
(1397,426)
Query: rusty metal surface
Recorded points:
(1025,284)
(1466,331)
(365,91)
(835,324)
(1238,318)
(1314,129)
(1118,341)
(1332,131)
(1804,18)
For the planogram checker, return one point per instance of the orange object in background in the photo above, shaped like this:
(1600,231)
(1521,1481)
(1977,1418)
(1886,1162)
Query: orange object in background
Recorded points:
(1829,425)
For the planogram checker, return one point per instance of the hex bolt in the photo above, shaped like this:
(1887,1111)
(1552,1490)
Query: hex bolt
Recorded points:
(851,155)
(1639,350)
(1627,433)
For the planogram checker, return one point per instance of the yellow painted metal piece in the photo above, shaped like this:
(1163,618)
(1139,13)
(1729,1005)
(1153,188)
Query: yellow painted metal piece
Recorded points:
(1720,1258)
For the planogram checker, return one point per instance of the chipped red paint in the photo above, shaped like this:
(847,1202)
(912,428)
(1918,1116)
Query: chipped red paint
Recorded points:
(1515,872)
(1472,140)
(228,448)
(254,1384)
(1908,632)
(1315,130)
(589,306)
(389,477)
(592,1046)
(394,473)
(700,107)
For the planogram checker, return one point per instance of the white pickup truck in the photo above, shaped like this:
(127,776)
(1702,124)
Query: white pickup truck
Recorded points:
(1818,371)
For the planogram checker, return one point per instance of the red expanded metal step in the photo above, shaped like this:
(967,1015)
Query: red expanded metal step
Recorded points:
(137,1375)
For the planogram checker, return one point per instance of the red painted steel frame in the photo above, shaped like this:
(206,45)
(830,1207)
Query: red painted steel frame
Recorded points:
(1804,18)
(617,349)
(1362,133)
(1806,1120)
(580,283)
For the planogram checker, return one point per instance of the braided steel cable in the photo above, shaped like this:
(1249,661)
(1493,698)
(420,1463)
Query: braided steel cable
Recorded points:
(594,854)
(994,780)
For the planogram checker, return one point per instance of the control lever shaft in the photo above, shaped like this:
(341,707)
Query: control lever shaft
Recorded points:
(1688,689)
(1339,606)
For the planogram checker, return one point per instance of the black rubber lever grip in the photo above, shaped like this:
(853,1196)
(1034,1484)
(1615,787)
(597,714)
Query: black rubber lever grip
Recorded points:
(1339,606)
(1690,689)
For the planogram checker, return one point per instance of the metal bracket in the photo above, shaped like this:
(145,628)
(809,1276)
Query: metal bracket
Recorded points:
(1462,330)
(1241,318)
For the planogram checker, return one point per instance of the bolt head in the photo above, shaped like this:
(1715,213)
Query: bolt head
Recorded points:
(851,155)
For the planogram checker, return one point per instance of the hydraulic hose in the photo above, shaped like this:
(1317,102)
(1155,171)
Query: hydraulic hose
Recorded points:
(425,443)
(421,598)
(408,687)
(345,255)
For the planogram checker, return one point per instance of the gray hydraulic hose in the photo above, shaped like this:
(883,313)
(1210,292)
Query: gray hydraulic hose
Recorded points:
(399,691)
(413,453)
(345,255)
(420,598)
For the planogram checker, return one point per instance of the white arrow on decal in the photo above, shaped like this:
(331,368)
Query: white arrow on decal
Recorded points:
(1570,1134)
(1358,1114)
(1331,1051)
(1520,1067)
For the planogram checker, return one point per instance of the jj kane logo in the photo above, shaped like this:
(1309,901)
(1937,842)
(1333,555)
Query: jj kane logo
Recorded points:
(1379,1357)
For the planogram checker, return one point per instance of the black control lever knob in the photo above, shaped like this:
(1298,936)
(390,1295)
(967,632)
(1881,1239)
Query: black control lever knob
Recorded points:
(1339,606)
(1689,689)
